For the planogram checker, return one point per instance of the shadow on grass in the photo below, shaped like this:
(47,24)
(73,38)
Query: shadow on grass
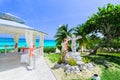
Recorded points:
(111,58)
(104,60)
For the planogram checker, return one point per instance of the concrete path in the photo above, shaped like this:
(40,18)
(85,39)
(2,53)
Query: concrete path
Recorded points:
(12,69)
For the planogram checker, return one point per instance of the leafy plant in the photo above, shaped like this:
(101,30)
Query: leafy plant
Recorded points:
(59,60)
(3,50)
(71,61)
(62,32)
(85,60)
(49,49)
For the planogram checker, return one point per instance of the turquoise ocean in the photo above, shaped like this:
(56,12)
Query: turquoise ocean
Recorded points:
(9,42)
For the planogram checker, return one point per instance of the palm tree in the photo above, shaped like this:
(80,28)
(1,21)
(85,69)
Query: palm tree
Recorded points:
(79,31)
(62,32)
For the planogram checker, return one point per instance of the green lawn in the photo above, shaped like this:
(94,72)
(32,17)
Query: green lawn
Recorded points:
(53,57)
(108,62)
(110,74)
(109,54)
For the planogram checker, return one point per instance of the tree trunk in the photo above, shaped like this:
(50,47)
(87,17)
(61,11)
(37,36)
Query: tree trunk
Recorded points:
(82,48)
(100,45)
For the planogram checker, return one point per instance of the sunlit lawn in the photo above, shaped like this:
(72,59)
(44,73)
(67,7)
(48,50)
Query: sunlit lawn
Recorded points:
(108,62)
(53,57)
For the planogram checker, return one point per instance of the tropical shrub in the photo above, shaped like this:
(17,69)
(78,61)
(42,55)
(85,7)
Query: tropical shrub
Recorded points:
(71,61)
(85,60)
(49,49)
(7,50)
(59,60)
(19,49)
(62,32)
(2,51)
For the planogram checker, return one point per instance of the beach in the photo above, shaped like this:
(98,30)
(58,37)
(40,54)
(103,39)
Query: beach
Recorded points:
(9,42)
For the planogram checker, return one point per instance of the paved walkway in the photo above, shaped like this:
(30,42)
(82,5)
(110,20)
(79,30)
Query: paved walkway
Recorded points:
(12,69)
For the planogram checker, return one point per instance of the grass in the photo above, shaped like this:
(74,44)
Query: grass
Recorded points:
(108,62)
(53,57)
(109,54)
(110,74)
(105,59)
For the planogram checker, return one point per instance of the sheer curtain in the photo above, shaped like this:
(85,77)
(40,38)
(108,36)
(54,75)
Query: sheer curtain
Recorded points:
(41,42)
(29,41)
(29,38)
(16,38)
(34,40)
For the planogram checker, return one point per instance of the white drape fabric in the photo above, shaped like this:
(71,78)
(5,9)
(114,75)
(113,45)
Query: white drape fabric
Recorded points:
(29,41)
(34,40)
(16,38)
(29,38)
(41,43)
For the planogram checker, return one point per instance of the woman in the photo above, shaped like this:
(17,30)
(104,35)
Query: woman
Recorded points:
(64,49)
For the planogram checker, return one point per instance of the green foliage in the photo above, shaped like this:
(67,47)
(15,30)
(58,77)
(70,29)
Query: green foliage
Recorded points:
(78,31)
(105,21)
(110,74)
(109,63)
(3,50)
(59,60)
(109,54)
(19,49)
(71,61)
(49,49)
(53,57)
(85,60)
(106,59)
(62,32)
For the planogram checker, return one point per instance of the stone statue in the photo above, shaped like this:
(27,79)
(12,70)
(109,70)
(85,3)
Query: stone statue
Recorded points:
(73,44)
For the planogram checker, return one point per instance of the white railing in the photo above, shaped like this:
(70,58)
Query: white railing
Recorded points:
(31,60)
(38,52)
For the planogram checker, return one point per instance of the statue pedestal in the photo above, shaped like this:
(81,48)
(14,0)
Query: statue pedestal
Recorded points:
(75,56)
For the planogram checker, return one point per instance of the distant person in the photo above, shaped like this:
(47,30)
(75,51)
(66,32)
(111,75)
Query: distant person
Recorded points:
(64,49)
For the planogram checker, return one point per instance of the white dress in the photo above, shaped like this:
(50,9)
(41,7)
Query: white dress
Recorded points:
(64,46)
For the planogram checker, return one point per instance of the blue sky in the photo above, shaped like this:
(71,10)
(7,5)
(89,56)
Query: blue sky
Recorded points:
(47,15)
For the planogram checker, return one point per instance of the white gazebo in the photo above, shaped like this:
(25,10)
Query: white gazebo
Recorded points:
(10,24)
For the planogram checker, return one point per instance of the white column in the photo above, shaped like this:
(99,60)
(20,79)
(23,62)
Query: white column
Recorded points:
(16,38)
(41,44)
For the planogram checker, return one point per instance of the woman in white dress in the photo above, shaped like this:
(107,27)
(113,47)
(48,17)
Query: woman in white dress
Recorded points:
(64,49)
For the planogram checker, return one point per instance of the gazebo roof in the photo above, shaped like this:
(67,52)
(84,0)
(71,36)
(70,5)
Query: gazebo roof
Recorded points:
(10,17)
(9,26)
